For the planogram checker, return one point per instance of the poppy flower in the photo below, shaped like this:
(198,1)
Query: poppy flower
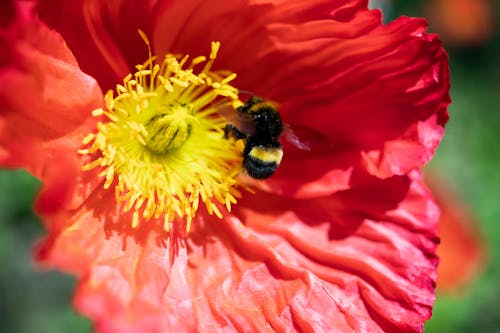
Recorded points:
(144,198)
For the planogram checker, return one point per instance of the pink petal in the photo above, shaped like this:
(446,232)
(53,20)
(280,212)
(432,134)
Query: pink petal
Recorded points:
(342,263)
(46,99)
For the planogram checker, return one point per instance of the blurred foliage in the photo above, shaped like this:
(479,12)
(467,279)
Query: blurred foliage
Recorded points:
(32,300)
(39,301)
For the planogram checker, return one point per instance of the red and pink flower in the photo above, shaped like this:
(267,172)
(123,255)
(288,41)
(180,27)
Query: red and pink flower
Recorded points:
(341,239)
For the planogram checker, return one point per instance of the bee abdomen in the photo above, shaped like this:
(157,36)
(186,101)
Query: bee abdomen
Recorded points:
(261,162)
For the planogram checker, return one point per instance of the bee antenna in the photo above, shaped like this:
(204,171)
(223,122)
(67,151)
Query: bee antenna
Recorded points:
(246,92)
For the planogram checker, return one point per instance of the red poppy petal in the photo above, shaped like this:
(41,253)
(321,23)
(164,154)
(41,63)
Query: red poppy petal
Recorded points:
(383,94)
(46,99)
(7,13)
(102,35)
(310,174)
(178,23)
(351,262)
(379,249)
(134,290)
(124,282)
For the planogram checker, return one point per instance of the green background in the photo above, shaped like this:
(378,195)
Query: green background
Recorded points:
(33,300)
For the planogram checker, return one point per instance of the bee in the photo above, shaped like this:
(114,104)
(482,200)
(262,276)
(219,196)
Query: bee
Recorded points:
(260,127)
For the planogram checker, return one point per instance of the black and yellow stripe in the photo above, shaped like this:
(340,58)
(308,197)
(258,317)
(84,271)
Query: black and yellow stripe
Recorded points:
(261,162)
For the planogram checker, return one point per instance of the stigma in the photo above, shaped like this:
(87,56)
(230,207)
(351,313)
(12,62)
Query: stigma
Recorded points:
(160,142)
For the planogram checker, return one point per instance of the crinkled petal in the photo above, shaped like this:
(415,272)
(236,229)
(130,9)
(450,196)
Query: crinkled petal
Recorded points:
(102,34)
(37,68)
(362,260)
(46,111)
(310,174)
(46,99)
(376,241)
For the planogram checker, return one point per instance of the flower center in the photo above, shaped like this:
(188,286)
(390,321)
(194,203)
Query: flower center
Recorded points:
(162,147)
(169,130)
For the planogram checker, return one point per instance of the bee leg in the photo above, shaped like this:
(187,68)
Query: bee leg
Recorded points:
(227,130)
(234,132)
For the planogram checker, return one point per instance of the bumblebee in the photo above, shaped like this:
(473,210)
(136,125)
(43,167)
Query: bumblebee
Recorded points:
(260,127)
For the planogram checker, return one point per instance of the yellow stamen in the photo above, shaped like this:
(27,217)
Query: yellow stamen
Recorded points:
(162,147)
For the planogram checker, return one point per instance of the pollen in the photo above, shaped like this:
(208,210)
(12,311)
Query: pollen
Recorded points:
(160,142)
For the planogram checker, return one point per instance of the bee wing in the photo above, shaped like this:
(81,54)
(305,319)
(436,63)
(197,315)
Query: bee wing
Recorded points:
(304,138)
(242,121)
